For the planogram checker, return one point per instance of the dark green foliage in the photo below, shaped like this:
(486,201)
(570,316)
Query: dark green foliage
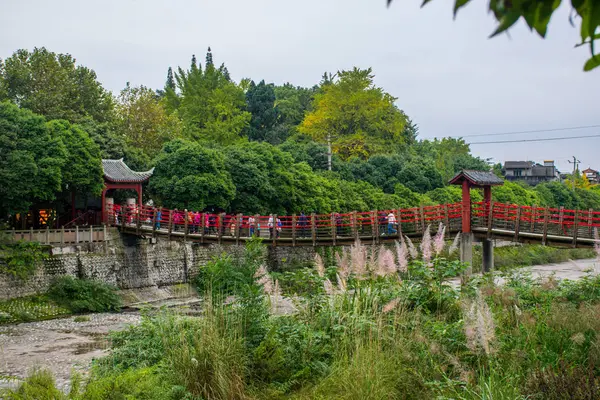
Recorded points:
(52,85)
(188,175)
(82,295)
(260,101)
(82,172)
(31,162)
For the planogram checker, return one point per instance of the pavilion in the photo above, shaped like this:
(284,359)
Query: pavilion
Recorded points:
(468,179)
(117,175)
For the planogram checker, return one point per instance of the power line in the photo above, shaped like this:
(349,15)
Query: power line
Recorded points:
(532,131)
(537,140)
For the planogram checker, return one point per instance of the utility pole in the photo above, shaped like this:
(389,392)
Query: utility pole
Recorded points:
(329,151)
(575,162)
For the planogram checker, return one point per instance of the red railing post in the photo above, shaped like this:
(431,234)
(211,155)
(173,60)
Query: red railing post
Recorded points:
(294,229)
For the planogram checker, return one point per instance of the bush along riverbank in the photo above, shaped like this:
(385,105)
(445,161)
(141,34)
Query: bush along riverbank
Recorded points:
(65,296)
(382,325)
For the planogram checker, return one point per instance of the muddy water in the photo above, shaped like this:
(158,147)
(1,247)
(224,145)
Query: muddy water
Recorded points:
(61,345)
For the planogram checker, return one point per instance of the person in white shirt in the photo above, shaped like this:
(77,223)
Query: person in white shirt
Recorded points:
(391,220)
(270,226)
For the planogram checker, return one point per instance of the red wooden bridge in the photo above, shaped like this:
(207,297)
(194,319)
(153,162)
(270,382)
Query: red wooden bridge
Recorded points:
(489,220)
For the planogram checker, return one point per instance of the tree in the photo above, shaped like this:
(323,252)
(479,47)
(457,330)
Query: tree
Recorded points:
(107,136)
(52,85)
(82,169)
(537,14)
(411,131)
(170,84)
(31,162)
(188,175)
(261,104)
(144,121)
(556,194)
(450,155)
(360,117)
(209,104)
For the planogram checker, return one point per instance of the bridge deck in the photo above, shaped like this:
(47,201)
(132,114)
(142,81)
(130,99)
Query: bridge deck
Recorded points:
(488,220)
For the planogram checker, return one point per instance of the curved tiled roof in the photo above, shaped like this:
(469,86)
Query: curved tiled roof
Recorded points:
(479,178)
(118,171)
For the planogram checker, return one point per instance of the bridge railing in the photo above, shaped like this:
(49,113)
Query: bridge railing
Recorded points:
(63,236)
(543,221)
(310,228)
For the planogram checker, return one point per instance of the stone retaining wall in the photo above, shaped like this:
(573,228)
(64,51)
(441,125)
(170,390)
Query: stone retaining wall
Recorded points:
(129,262)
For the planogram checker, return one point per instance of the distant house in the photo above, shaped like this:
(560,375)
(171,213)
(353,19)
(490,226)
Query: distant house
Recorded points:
(530,172)
(591,175)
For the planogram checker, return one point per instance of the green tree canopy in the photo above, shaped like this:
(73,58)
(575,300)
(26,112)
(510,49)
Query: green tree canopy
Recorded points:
(261,104)
(31,162)
(144,121)
(82,170)
(52,85)
(361,118)
(210,105)
(188,175)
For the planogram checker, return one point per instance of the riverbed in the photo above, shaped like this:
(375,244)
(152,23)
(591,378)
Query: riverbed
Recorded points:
(60,345)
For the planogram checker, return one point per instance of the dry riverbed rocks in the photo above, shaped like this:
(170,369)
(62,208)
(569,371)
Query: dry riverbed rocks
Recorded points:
(61,345)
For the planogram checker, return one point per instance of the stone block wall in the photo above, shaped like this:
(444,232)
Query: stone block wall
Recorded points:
(129,262)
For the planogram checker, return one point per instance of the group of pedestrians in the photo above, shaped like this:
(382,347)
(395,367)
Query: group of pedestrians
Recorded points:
(208,223)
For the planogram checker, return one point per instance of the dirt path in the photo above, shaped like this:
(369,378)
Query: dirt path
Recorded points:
(61,345)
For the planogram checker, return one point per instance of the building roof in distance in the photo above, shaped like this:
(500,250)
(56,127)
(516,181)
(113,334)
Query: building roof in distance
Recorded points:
(118,171)
(518,164)
(476,178)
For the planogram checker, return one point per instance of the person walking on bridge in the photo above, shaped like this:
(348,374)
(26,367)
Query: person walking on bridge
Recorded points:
(302,223)
(270,226)
(279,227)
(391,220)
(158,219)
(251,226)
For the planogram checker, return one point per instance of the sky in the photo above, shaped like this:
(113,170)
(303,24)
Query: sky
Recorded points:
(447,75)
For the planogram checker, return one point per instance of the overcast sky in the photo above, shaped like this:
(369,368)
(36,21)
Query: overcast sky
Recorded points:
(447,75)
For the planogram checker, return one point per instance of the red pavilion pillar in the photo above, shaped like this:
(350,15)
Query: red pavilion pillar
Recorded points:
(466,207)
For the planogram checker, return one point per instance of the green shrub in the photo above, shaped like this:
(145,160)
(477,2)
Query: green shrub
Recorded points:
(226,275)
(82,295)
(301,282)
(144,383)
(142,345)
(40,384)
(20,259)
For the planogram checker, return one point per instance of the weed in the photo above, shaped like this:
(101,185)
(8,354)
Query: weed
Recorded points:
(82,295)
